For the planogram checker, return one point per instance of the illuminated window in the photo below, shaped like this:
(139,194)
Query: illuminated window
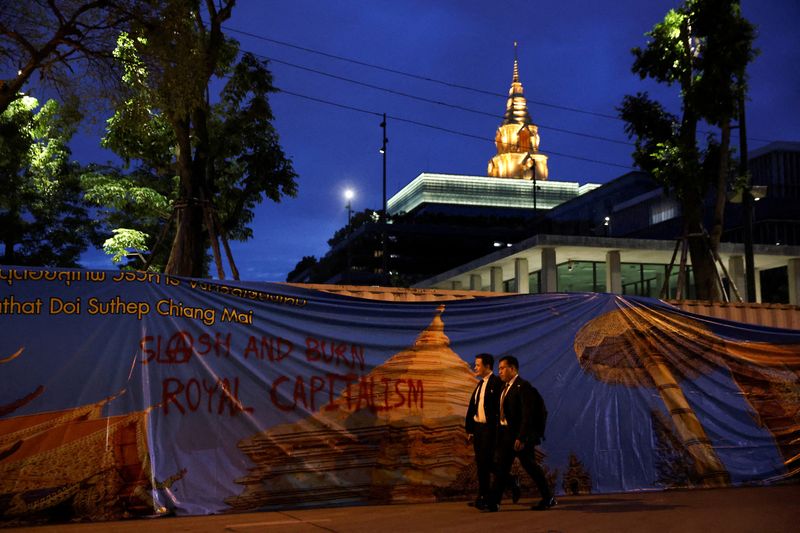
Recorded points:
(581,276)
(665,210)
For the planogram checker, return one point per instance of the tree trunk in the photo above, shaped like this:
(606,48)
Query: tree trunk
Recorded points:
(12,232)
(703,267)
(187,255)
(722,185)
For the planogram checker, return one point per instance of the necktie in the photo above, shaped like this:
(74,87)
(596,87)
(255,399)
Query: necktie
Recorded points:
(480,416)
(502,401)
(478,392)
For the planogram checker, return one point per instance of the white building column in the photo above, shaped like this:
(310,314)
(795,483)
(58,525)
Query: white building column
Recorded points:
(757,274)
(521,275)
(613,272)
(495,279)
(455,285)
(549,272)
(737,276)
(475,282)
(794,281)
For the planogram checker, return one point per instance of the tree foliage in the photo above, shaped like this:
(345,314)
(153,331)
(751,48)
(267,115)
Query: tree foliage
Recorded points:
(43,217)
(193,157)
(358,219)
(704,48)
(63,41)
(307,262)
(134,207)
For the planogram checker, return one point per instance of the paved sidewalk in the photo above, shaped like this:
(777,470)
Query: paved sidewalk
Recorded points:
(772,509)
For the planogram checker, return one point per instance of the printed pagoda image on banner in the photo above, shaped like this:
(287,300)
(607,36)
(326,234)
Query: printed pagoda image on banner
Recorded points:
(146,409)
(653,348)
(405,444)
(621,347)
(75,463)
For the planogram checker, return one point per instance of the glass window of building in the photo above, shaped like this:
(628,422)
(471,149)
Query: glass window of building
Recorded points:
(581,276)
(535,282)
(510,285)
(642,279)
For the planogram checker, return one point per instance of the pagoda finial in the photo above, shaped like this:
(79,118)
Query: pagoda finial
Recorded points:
(517,138)
(515,79)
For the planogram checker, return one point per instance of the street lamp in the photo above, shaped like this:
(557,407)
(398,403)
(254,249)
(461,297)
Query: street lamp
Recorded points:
(348,195)
(384,258)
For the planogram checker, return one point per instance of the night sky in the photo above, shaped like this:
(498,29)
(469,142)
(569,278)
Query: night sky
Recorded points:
(574,59)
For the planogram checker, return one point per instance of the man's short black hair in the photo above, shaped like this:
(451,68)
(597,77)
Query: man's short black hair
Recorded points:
(510,361)
(487,359)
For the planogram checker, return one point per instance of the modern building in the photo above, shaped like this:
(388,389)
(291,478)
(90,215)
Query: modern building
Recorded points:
(460,195)
(472,214)
(516,230)
(620,238)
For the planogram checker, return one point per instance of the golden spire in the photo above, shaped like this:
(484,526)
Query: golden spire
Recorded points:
(516,106)
(517,138)
(515,79)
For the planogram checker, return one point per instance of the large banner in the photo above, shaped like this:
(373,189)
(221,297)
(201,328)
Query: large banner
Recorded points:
(128,393)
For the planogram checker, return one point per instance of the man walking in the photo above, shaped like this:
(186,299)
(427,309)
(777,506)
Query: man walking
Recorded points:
(520,429)
(481,423)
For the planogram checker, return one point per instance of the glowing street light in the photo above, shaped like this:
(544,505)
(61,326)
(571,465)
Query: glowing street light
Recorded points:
(349,194)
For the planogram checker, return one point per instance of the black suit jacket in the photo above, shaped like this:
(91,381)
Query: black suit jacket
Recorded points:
(491,404)
(518,408)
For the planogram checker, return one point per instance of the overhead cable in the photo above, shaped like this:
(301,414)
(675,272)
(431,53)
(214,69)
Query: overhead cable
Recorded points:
(435,127)
(412,75)
(431,101)
(444,82)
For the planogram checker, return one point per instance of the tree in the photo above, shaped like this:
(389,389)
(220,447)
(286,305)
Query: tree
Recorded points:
(307,262)
(56,38)
(134,208)
(43,218)
(704,47)
(205,166)
(358,219)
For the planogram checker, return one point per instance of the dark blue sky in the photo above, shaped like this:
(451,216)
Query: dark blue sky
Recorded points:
(572,54)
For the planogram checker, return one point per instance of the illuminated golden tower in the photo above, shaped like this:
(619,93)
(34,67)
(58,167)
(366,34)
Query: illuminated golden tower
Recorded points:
(517,138)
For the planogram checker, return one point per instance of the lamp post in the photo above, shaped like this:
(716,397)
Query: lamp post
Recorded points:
(384,262)
(348,195)
(747,207)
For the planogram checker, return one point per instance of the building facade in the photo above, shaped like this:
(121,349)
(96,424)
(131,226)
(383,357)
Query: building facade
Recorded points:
(516,230)
(622,238)
(473,215)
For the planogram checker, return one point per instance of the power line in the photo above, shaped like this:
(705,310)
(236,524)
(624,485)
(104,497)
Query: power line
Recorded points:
(429,100)
(435,127)
(444,83)
(412,75)
(328,102)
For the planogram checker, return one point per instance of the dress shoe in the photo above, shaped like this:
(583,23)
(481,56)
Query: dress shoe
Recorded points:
(545,504)
(480,504)
(515,490)
(492,507)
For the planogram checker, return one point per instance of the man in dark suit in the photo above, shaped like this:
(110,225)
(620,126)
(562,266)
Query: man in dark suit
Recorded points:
(481,423)
(519,431)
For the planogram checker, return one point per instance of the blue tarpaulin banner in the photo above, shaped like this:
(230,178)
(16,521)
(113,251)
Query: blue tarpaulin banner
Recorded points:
(129,393)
